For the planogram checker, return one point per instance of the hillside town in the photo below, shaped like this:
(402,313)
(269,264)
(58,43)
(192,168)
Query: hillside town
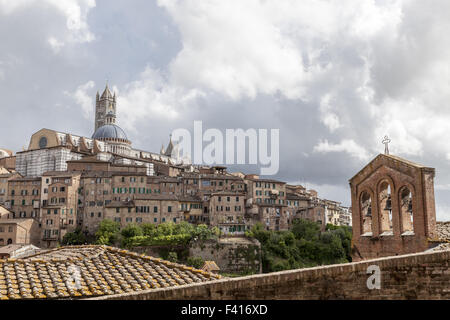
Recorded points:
(209,226)
(63,181)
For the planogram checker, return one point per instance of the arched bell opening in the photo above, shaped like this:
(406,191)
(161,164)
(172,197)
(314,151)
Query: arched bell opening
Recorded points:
(385,208)
(366,213)
(406,211)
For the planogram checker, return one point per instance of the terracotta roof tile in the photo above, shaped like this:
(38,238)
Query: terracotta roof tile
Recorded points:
(87,271)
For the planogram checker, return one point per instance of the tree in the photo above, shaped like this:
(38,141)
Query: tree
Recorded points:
(172,256)
(108,232)
(305,229)
(132,230)
(148,229)
(196,262)
(303,246)
(74,238)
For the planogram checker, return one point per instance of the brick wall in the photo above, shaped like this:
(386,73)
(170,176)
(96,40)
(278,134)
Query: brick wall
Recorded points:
(415,276)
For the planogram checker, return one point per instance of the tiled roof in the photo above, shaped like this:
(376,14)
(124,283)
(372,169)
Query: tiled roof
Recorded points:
(443,231)
(210,265)
(89,271)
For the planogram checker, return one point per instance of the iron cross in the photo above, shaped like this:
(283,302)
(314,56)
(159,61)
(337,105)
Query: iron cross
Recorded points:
(386,141)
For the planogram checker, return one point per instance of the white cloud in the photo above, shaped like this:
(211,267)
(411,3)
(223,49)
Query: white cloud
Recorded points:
(75,12)
(84,98)
(152,97)
(245,48)
(328,117)
(442,212)
(55,44)
(349,146)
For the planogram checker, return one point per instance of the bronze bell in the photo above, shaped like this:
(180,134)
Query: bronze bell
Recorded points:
(369,211)
(388,204)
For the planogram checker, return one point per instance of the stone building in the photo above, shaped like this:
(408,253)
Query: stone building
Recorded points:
(59,206)
(227,212)
(17,231)
(5,176)
(24,197)
(148,208)
(266,202)
(393,209)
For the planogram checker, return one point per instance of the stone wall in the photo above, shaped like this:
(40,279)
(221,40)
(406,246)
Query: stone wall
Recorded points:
(232,255)
(414,276)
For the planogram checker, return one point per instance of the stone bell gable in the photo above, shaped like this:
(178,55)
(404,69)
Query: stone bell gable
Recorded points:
(393,208)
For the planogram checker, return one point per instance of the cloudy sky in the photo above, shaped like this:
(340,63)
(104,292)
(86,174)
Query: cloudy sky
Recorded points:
(333,76)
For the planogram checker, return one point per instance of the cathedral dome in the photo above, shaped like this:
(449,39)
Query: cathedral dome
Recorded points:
(109,131)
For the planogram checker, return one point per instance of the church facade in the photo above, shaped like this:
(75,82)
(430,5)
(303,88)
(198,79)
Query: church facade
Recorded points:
(50,150)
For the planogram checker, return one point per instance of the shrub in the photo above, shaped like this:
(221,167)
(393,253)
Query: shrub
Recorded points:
(74,238)
(196,262)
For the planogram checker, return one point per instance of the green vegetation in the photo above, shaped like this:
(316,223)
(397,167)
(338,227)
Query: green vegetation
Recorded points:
(303,246)
(165,234)
(196,262)
(74,238)
(172,256)
(108,233)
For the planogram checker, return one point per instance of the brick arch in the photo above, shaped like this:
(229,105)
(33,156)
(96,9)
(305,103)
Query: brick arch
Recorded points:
(411,189)
(389,179)
(361,215)
(386,223)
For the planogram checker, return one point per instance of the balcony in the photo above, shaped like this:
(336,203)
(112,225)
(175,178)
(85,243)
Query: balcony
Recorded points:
(50,238)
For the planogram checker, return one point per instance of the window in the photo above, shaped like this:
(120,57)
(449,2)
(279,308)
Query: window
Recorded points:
(62,189)
(99,214)
(163,219)
(155,220)
(169,209)
(138,219)
(155,209)
(117,210)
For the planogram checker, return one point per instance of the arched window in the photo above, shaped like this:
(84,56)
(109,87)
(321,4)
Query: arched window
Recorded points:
(406,211)
(366,213)
(385,208)
(9,241)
